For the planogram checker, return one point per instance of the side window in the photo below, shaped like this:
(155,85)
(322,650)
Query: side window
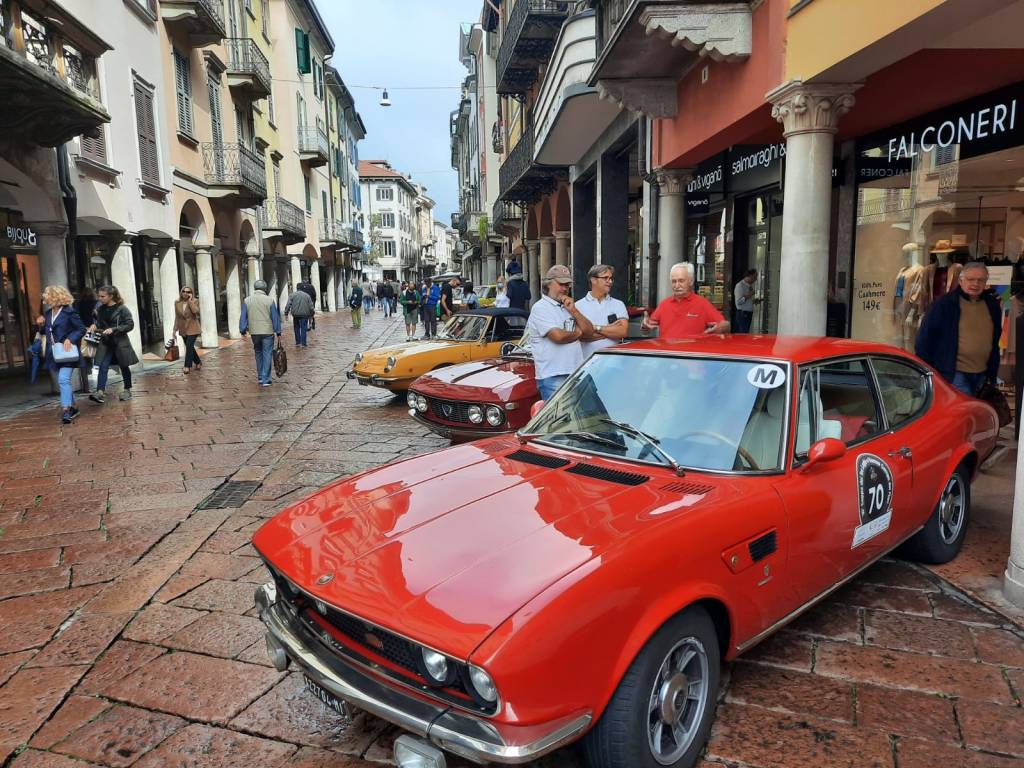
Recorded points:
(806,414)
(836,400)
(903,389)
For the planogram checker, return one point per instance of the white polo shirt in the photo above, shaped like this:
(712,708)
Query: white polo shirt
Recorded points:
(549,358)
(603,312)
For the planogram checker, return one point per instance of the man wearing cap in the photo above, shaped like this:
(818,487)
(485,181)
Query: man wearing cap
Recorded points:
(516,288)
(685,314)
(607,314)
(555,328)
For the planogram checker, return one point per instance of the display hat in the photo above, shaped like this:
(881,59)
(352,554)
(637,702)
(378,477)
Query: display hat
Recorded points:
(560,274)
(909,247)
(943,246)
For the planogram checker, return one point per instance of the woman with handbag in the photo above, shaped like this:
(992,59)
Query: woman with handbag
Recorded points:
(114,321)
(186,322)
(85,307)
(62,330)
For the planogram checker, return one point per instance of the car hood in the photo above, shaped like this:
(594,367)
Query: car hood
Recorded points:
(495,375)
(443,548)
(405,349)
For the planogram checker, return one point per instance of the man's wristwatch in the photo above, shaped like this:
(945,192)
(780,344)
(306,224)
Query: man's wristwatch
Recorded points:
(598,328)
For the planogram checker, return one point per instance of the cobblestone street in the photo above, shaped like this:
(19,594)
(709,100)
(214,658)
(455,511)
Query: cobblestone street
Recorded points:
(127,627)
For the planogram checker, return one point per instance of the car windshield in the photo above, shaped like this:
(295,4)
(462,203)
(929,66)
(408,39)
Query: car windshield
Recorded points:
(464,328)
(705,413)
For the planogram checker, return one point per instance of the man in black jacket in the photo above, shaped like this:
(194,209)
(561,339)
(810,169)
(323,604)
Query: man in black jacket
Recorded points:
(516,288)
(959,336)
(307,288)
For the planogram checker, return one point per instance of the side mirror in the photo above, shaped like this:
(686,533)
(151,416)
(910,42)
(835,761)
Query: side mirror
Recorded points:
(535,408)
(827,449)
(508,348)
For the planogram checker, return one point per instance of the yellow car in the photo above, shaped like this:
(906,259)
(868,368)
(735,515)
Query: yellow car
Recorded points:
(471,335)
(486,295)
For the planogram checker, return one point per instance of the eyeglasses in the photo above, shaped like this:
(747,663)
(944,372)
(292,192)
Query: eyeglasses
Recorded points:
(609,278)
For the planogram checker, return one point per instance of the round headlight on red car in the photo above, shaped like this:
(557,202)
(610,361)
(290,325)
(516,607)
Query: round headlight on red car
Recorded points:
(482,686)
(476,414)
(495,416)
(410,398)
(421,403)
(437,669)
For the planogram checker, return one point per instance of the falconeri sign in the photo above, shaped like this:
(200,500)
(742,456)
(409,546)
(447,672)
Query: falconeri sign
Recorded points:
(980,123)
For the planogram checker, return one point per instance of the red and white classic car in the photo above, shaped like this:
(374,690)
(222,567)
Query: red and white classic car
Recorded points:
(673,504)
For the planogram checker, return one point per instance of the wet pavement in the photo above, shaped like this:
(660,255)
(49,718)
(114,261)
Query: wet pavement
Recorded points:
(127,628)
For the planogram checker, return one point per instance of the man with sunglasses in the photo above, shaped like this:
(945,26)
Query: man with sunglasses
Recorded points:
(607,314)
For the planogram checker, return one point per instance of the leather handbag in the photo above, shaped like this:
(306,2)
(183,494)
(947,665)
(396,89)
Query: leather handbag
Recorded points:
(172,353)
(990,394)
(91,343)
(280,359)
(60,355)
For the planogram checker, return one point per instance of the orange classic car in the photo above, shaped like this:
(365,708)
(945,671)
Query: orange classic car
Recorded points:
(673,504)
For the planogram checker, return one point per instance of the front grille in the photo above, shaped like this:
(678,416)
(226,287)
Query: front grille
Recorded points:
(537,459)
(397,650)
(609,475)
(449,410)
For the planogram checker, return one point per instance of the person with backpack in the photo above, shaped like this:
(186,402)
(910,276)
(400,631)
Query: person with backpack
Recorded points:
(355,304)
(431,298)
(300,307)
(410,301)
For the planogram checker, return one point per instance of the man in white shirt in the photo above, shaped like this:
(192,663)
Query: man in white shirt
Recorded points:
(743,298)
(555,328)
(607,314)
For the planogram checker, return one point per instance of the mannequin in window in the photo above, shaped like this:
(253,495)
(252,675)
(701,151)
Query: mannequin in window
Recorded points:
(942,273)
(909,297)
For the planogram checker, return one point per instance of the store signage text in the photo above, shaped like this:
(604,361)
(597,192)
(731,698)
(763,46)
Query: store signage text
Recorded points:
(705,180)
(763,157)
(979,124)
(870,295)
(21,236)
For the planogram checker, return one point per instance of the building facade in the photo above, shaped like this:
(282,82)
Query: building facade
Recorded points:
(389,212)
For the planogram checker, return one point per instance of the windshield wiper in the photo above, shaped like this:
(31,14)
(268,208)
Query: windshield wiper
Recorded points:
(653,442)
(588,436)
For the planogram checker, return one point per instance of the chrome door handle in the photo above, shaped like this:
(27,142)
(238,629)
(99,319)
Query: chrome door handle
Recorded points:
(905,452)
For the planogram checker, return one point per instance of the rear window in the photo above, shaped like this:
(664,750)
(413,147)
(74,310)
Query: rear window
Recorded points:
(903,388)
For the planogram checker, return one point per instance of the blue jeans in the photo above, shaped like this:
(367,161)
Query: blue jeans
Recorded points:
(968,383)
(67,392)
(301,328)
(386,303)
(547,386)
(367,303)
(263,345)
(106,358)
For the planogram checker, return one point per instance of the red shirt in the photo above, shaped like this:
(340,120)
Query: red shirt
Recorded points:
(684,318)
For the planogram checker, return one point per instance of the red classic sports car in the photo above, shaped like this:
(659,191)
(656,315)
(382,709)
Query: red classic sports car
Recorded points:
(670,507)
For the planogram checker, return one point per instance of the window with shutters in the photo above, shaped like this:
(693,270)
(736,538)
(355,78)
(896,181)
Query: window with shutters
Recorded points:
(302,58)
(145,121)
(265,17)
(309,194)
(387,220)
(183,89)
(95,148)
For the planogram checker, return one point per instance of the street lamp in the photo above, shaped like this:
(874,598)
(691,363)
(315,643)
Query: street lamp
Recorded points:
(384,100)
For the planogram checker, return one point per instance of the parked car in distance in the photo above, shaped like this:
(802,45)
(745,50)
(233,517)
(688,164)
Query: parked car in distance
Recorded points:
(486,294)
(469,335)
(671,506)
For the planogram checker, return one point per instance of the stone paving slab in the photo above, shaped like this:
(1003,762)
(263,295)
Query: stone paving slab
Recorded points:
(128,636)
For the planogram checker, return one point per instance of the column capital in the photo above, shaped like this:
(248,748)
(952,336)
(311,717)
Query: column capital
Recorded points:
(562,235)
(547,239)
(203,247)
(811,107)
(672,181)
(45,228)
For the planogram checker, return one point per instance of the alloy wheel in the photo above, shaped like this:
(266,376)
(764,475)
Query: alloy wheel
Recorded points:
(951,509)
(678,699)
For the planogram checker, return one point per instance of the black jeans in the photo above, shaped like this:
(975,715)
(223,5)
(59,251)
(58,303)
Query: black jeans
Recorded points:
(743,321)
(191,356)
(430,321)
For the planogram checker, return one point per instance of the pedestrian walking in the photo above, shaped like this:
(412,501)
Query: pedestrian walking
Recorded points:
(368,296)
(310,290)
(685,314)
(744,301)
(85,307)
(959,336)
(262,319)
(395,293)
(187,324)
(501,295)
(300,306)
(431,299)
(516,288)
(62,329)
(555,328)
(114,321)
(385,298)
(410,301)
(355,304)
(607,314)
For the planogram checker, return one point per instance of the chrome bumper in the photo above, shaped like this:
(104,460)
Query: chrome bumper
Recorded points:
(471,737)
(374,380)
(457,433)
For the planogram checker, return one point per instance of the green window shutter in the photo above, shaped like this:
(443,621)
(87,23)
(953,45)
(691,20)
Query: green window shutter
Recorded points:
(302,51)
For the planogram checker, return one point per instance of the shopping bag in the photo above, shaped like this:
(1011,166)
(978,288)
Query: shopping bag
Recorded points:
(280,359)
(991,395)
(172,354)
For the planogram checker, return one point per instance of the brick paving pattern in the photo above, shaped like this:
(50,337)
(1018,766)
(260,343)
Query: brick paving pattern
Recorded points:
(127,628)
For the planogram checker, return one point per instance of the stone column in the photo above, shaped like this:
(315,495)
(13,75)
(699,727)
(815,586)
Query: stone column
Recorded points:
(533,256)
(1013,579)
(584,234)
(809,114)
(282,286)
(490,273)
(332,287)
(170,290)
(122,273)
(547,255)
(254,272)
(563,243)
(671,213)
(233,293)
(53,262)
(296,271)
(207,300)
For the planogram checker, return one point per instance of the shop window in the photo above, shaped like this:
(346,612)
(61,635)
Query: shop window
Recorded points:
(902,388)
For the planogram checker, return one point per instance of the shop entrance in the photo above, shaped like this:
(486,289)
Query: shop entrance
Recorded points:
(759,246)
(18,308)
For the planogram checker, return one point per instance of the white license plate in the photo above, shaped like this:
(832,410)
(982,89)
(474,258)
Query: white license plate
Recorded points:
(328,699)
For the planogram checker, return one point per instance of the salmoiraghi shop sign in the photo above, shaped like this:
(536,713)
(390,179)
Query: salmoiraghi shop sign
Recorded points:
(978,126)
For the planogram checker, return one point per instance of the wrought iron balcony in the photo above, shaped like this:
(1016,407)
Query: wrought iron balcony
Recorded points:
(202,20)
(498,138)
(248,70)
(507,217)
(48,71)
(328,231)
(280,218)
(234,171)
(314,148)
(520,179)
(351,238)
(528,42)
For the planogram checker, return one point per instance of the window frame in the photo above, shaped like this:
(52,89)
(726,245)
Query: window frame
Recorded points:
(384,220)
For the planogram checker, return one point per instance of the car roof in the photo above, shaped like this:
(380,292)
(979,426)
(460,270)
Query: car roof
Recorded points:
(796,349)
(498,312)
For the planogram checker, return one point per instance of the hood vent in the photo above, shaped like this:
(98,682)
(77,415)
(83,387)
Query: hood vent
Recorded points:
(537,459)
(610,475)
(688,487)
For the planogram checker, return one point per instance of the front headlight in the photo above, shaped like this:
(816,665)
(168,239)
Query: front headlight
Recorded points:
(495,416)
(437,669)
(421,403)
(476,414)
(483,685)
(410,399)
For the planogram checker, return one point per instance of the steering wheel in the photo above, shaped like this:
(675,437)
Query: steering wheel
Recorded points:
(743,452)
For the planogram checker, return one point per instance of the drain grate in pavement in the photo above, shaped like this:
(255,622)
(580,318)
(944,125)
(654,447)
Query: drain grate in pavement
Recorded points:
(229,495)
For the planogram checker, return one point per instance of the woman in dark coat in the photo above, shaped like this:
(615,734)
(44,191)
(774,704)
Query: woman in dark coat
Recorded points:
(62,326)
(114,321)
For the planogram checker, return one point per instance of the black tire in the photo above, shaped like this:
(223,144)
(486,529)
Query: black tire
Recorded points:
(943,535)
(623,736)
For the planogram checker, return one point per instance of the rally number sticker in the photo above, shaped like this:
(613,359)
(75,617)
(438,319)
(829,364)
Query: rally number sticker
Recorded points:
(766,376)
(874,498)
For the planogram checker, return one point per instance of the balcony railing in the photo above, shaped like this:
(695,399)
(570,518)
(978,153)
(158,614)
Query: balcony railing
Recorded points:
(328,231)
(248,68)
(314,148)
(506,215)
(203,20)
(277,214)
(520,180)
(498,138)
(351,238)
(235,165)
(528,41)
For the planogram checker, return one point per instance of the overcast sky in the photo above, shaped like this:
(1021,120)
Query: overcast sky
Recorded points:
(405,44)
